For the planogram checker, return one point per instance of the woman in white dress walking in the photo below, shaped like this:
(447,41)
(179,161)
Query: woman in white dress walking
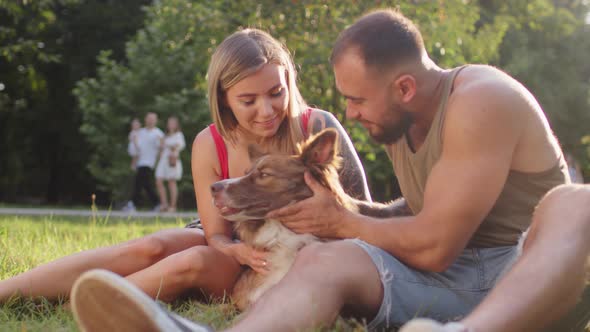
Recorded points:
(169,167)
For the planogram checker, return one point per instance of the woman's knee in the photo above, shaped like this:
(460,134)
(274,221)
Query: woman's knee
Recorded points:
(150,249)
(155,247)
(198,264)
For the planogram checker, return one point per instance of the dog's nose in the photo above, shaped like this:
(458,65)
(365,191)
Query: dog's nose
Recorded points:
(216,187)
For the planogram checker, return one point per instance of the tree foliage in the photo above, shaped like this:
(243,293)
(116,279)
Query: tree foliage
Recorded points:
(546,48)
(179,37)
(163,66)
(60,146)
(45,47)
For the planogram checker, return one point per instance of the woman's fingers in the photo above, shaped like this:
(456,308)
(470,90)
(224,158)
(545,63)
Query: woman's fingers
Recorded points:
(256,259)
(260,266)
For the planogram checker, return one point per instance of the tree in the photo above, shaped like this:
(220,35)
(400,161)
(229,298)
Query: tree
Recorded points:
(167,61)
(46,46)
(546,48)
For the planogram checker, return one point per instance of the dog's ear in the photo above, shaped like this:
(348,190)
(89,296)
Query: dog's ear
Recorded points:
(254,152)
(320,149)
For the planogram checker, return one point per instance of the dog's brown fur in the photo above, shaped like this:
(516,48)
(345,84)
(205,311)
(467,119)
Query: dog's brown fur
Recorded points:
(274,181)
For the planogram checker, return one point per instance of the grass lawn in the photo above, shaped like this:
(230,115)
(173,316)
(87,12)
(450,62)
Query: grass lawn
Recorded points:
(26,242)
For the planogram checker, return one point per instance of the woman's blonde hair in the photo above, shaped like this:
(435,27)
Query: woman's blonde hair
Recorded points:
(242,54)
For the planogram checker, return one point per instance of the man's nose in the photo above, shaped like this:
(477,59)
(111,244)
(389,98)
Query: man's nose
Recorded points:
(351,113)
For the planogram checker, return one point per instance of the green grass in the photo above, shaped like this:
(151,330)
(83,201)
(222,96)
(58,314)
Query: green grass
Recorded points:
(26,242)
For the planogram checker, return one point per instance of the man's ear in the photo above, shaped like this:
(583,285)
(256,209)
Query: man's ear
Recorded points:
(405,87)
(254,152)
(320,149)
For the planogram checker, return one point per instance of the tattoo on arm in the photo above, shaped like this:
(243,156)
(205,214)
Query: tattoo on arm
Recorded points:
(352,173)
(318,124)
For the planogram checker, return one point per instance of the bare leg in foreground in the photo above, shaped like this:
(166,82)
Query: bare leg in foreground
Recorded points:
(318,286)
(550,275)
(165,263)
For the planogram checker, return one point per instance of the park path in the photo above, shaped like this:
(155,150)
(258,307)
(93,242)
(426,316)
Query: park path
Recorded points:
(99,213)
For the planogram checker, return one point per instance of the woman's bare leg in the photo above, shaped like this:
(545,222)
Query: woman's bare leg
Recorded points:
(54,279)
(196,269)
(172,187)
(162,194)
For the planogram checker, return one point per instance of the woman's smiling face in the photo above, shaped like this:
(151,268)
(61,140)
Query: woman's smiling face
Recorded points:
(260,101)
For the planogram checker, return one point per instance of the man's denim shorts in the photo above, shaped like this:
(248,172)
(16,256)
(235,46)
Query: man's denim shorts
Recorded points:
(447,296)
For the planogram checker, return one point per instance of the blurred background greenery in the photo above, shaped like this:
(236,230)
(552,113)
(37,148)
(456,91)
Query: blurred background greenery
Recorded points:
(73,73)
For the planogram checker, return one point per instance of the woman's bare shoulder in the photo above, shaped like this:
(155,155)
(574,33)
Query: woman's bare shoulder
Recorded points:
(204,153)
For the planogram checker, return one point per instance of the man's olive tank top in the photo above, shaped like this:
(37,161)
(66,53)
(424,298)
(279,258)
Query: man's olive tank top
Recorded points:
(512,212)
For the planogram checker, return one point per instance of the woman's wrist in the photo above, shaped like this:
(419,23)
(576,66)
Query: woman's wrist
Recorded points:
(223,244)
(229,249)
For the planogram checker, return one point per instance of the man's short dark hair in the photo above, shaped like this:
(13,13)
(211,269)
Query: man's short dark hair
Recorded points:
(384,38)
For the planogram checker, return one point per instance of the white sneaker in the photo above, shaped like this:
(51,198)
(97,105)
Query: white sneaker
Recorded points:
(104,301)
(428,325)
(129,207)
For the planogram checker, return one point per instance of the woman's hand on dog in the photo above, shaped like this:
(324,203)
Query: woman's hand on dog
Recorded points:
(247,255)
(321,215)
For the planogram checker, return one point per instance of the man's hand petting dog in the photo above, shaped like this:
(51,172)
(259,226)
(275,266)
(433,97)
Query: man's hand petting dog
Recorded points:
(320,215)
(247,255)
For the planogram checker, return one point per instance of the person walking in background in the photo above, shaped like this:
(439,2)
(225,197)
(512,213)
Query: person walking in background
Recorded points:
(170,166)
(132,147)
(148,143)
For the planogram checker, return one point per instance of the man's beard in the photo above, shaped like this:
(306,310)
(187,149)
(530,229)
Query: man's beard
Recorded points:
(392,132)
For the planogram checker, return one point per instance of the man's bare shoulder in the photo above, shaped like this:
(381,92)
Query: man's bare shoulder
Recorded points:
(489,105)
(486,107)
(481,90)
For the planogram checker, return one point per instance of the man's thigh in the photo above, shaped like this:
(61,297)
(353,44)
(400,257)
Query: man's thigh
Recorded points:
(450,295)
(344,269)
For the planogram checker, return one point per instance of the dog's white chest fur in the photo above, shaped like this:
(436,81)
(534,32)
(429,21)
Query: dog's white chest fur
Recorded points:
(283,246)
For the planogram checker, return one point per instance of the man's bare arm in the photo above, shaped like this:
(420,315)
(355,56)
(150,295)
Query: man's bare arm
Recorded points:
(480,134)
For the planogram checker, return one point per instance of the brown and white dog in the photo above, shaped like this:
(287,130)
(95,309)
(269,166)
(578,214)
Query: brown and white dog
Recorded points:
(275,181)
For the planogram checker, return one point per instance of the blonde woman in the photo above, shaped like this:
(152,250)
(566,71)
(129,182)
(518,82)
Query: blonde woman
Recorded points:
(254,100)
(169,167)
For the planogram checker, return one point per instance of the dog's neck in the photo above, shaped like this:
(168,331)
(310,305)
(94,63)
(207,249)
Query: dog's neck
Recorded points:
(246,230)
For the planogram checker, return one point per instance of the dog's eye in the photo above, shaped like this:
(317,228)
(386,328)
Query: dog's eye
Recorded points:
(264,174)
